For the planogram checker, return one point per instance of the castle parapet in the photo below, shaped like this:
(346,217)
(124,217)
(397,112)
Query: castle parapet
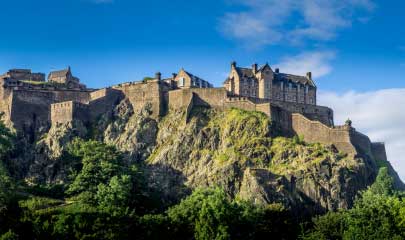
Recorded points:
(68,111)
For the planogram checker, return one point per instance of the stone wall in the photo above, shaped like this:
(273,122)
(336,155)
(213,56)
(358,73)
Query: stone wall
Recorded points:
(316,132)
(209,97)
(153,93)
(104,100)
(68,111)
(313,112)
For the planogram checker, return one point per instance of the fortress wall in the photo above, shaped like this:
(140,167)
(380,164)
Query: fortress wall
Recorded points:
(62,112)
(240,102)
(210,97)
(265,108)
(314,132)
(30,109)
(104,100)
(99,94)
(379,153)
(81,112)
(190,106)
(77,96)
(6,96)
(140,94)
(67,111)
(316,113)
(361,142)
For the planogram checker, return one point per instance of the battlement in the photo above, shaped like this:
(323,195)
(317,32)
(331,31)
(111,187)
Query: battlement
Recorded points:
(32,104)
(68,111)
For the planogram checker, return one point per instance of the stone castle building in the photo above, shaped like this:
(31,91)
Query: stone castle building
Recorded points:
(264,83)
(30,104)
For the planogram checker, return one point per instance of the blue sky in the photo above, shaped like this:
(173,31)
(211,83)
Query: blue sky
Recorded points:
(108,42)
(355,48)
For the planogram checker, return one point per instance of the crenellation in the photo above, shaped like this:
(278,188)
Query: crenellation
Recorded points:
(288,100)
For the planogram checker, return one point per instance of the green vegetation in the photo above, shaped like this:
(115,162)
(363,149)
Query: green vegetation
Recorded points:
(106,197)
(379,213)
(146,79)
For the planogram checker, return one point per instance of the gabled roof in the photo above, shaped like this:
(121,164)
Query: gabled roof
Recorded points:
(248,72)
(245,72)
(59,73)
(263,67)
(294,78)
(196,78)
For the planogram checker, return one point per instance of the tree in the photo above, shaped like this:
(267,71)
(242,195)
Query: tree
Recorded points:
(384,183)
(116,194)
(100,163)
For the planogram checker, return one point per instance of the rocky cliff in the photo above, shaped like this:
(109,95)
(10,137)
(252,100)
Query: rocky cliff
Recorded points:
(237,150)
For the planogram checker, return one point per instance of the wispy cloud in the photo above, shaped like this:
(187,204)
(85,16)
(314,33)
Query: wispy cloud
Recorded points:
(318,62)
(267,22)
(377,114)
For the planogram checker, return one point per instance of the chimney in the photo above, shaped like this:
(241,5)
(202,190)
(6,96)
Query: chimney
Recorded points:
(277,70)
(174,75)
(233,64)
(158,76)
(254,68)
(309,75)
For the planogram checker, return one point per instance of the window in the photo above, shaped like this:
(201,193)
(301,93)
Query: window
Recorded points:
(181,82)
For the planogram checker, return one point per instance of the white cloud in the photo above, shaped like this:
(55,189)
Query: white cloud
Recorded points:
(272,21)
(378,114)
(317,62)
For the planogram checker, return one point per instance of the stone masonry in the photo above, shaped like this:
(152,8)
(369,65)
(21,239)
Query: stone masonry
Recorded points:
(30,103)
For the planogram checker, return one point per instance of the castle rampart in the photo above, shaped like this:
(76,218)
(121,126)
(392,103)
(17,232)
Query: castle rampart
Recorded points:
(288,100)
(315,131)
(152,92)
(68,111)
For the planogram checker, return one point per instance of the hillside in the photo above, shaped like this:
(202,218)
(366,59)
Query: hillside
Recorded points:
(237,150)
(173,166)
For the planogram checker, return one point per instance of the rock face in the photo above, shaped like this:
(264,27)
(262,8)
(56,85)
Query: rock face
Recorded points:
(134,134)
(234,149)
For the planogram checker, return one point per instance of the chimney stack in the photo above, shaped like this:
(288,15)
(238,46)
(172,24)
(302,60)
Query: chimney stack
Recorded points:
(233,64)
(254,68)
(277,70)
(309,75)
(158,76)
(174,75)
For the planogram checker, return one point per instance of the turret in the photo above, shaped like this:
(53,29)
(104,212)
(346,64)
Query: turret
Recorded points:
(254,68)
(158,76)
(233,64)
(309,75)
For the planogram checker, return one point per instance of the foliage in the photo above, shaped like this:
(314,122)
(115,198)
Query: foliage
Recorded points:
(210,214)
(146,79)
(377,214)
(10,235)
(384,183)
(6,139)
(100,164)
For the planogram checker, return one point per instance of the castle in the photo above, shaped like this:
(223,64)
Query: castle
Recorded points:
(30,103)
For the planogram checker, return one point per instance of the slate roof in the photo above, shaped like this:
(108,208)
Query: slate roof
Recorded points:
(197,78)
(57,74)
(248,72)
(293,78)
